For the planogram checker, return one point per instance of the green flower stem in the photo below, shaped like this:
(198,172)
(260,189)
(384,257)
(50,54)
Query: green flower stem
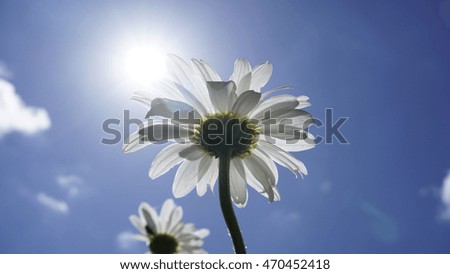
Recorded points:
(226,204)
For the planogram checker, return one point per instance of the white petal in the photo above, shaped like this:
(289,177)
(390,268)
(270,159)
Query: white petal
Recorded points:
(193,100)
(241,69)
(157,132)
(256,185)
(166,211)
(284,132)
(244,84)
(141,238)
(238,185)
(192,153)
(150,216)
(303,102)
(282,158)
(186,178)
(134,143)
(184,250)
(185,238)
(177,229)
(270,91)
(175,110)
(209,178)
(296,118)
(167,89)
(274,106)
(204,165)
(259,176)
(201,189)
(174,219)
(269,162)
(260,76)
(198,251)
(291,145)
(276,194)
(202,233)
(184,75)
(246,102)
(166,159)
(136,222)
(146,100)
(208,73)
(203,168)
(159,89)
(222,94)
(188,230)
(195,243)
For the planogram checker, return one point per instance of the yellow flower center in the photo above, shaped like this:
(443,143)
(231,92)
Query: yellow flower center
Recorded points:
(227,132)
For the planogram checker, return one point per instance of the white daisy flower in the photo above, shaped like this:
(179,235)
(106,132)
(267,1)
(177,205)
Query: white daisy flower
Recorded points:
(166,233)
(208,117)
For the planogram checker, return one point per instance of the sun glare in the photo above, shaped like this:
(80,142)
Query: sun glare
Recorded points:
(144,64)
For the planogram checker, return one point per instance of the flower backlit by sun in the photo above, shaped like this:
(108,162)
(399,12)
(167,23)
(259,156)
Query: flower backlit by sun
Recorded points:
(209,118)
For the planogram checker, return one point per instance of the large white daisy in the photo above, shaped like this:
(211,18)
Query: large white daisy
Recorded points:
(166,233)
(206,117)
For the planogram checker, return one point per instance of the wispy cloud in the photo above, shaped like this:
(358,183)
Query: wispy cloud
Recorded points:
(16,116)
(52,203)
(281,218)
(71,183)
(326,187)
(126,240)
(4,71)
(383,226)
(445,198)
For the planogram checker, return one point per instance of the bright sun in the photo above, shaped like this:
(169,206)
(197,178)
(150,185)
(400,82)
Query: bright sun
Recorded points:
(144,64)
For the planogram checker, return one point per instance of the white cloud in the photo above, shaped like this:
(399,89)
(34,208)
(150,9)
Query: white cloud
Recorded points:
(4,71)
(16,116)
(126,240)
(52,203)
(445,198)
(71,183)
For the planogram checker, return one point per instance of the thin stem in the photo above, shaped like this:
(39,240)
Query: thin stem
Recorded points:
(226,204)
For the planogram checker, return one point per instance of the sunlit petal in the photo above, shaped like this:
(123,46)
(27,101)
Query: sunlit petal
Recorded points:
(222,95)
(238,187)
(166,232)
(246,102)
(208,73)
(260,76)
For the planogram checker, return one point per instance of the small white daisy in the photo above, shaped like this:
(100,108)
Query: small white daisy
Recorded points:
(166,233)
(208,117)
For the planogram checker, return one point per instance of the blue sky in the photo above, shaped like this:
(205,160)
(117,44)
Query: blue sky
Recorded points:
(383,64)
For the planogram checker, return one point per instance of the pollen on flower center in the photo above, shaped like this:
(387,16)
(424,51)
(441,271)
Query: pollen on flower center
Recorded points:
(163,244)
(227,132)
